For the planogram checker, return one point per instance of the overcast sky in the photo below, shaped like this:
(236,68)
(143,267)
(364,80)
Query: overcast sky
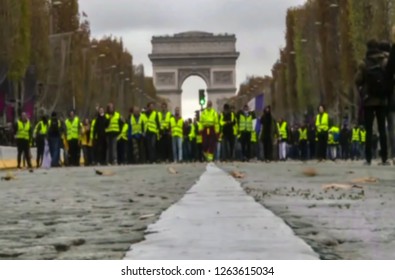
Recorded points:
(259,26)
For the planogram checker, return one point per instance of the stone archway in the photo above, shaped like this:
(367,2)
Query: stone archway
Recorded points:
(211,57)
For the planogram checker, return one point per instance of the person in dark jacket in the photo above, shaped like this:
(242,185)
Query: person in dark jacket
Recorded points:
(374,94)
(227,122)
(99,137)
(269,133)
(345,142)
(55,130)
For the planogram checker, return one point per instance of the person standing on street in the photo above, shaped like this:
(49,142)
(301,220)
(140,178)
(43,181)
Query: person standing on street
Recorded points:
(40,134)
(245,124)
(86,142)
(54,139)
(209,121)
(138,123)
(345,142)
(227,122)
(122,143)
(113,129)
(165,137)
(303,142)
(371,79)
(176,128)
(73,133)
(268,133)
(283,132)
(322,127)
(151,132)
(99,137)
(23,135)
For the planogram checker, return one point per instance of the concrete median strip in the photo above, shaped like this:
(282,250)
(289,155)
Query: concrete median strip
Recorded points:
(216,219)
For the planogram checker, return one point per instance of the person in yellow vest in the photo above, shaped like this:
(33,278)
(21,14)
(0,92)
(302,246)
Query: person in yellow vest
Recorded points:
(209,121)
(176,128)
(228,123)
(333,141)
(355,143)
(303,141)
(151,132)
(283,137)
(86,141)
(23,136)
(73,132)
(198,134)
(165,138)
(122,142)
(322,127)
(40,134)
(138,123)
(244,121)
(192,139)
(362,146)
(113,129)
(254,141)
(92,142)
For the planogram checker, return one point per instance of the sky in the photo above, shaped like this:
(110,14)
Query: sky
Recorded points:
(259,26)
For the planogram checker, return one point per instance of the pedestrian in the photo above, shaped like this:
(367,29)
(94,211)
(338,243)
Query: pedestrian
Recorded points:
(245,119)
(209,121)
(371,79)
(345,142)
(303,142)
(55,131)
(198,131)
(283,137)
(165,137)
(269,133)
(312,136)
(40,134)
(138,123)
(322,127)
(86,142)
(176,128)
(73,133)
(333,141)
(355,143)
(113,129)
(152,132)
(99,137)
(228,122)
(23,136)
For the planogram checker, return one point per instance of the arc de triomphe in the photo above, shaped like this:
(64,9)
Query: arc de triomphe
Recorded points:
(211,57)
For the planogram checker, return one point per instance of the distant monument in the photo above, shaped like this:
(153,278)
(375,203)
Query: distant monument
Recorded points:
(211,57)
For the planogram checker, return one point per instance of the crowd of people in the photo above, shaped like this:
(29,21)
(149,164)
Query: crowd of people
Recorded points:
(148,135)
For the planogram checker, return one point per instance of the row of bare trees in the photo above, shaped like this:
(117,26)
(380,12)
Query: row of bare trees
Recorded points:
(325,43)
(47,56)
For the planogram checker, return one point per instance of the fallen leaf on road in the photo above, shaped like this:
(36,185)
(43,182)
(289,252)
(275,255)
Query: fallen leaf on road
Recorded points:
(350,172)
(310,172)
(104,173)
(365,180)
(340,186)
(8,177)
(172,170)
(144,217)
(237,174)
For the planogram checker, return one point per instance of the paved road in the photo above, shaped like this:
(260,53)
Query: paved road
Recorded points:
(72,213)
(343,224)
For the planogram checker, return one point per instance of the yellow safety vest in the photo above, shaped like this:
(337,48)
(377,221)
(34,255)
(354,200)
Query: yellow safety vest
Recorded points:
(177,127)
(245,123)
(92,130)
(254,137)
(151,123)
(355,135)
(73,128)
(137,126)
(43,129)
(303,134)
(209,118)
(84,136)
(363,136)
(164,121)
(23,130)
(322,122)
(114,122)
(199,137)
(124,133)
(282,129)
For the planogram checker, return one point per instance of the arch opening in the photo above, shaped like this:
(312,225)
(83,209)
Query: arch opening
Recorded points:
(190,95)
